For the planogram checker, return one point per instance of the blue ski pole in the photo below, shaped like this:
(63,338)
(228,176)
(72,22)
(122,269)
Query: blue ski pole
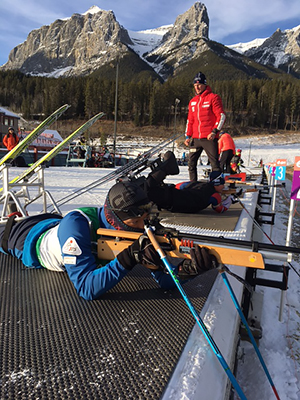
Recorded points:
(197,317)
(237,306)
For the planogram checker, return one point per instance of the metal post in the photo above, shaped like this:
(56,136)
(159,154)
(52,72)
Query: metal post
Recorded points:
(116,110)
(272,182)
(249,154)
(274,195)
(287,243)
(177,101)
(273,201)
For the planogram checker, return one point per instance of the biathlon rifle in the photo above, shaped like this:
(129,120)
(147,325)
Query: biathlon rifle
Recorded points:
(176,244)
(236,183)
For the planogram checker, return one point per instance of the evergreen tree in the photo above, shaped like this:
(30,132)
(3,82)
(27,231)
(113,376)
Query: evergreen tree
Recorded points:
(272,103)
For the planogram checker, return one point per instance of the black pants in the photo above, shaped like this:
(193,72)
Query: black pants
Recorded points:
(190,200)
(19,231)
(196,148)
(225,159)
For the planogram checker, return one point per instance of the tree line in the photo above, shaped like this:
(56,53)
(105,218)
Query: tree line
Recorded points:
(258,103)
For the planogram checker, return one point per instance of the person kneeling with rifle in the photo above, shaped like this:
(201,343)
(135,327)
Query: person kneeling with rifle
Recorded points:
(67,244)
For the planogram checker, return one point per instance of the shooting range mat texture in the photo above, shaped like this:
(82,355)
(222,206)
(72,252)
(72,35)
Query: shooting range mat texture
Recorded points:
(55,345)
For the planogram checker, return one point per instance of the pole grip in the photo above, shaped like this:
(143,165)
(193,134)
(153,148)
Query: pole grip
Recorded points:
(154,242)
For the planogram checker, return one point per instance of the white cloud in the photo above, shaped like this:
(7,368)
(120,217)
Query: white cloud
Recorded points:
(235,17)
(30,10)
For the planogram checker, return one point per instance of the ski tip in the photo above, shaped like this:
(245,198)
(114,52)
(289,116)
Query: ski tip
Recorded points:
(99,115)
(63,108)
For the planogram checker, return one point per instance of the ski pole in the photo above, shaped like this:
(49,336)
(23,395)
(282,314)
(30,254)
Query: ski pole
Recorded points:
(247,169)
(197,317)
(237,306)
(125,170)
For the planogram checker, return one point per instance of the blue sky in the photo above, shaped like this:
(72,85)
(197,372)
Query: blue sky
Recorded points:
(231,21)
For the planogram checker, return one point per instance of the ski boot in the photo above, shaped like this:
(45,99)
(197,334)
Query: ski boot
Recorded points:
(168,166)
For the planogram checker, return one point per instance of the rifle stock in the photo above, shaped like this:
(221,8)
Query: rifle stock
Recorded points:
(112,242)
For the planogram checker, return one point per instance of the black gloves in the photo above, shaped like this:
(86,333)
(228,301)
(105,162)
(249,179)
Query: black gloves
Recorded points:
(201,261)
(239,193)
(142,252)
(236,196)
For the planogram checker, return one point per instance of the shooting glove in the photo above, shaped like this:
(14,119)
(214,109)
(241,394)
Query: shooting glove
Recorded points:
(236,196)
(142,252)
(232,199)
(201,261)
(226,203)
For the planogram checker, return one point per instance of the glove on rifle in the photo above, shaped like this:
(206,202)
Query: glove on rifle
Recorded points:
(226,203)
(238,194)
(232,199)
(201,261)
(142,252)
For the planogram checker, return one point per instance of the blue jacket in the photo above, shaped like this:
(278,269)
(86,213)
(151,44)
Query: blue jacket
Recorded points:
(89,280)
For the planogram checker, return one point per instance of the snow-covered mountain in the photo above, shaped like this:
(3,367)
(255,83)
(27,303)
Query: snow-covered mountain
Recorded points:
(147,40)
(168,47)
(74,46)
(185,41)
(281,50)
(86,42)
(243,47)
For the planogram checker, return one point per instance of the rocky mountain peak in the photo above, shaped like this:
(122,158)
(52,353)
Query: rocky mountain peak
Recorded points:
(185,40)
(191,25)
(85,42)
(93,10)
(74,46)
(280,50)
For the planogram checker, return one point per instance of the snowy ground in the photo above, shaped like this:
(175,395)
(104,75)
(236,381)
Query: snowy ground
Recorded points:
(280,345)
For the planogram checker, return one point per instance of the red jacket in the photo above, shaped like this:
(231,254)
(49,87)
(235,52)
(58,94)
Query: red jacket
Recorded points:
(205,113)
(226,143)
(10,141)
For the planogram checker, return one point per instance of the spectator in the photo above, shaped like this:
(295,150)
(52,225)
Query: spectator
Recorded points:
(226,151)
(236,162)
(11,139)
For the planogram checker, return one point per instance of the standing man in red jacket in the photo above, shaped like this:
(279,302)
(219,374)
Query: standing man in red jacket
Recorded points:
(226,151)
(205,120)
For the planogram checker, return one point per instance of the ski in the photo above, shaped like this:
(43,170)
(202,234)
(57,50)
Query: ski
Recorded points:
(134,167)
(58,148)
(18,149)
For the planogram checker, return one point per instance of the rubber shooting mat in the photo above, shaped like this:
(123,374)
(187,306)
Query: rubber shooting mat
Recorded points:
(56,345)
(206,219)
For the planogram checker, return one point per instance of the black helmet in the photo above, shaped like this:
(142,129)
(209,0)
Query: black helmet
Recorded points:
(216,178)
(200,78)
(127,200)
